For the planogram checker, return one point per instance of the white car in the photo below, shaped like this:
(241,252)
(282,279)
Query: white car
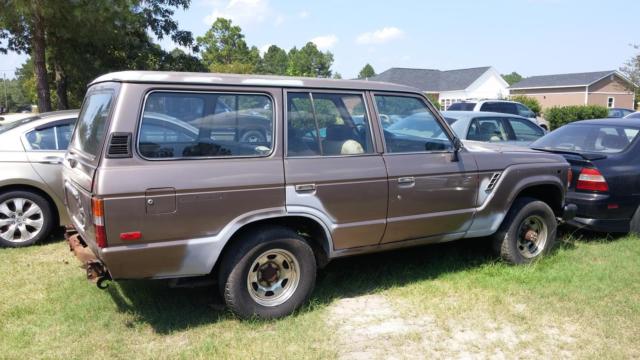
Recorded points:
(500,106)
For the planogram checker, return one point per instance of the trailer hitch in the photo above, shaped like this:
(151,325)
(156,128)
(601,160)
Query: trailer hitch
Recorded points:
(98,273)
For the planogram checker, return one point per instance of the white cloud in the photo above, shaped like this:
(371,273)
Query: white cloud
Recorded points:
(243,12)
(325,42)
(264,48)
(380,36)
(303,14)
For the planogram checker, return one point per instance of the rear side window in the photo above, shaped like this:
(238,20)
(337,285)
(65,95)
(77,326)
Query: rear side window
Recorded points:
(193,125)
(53,138)
(325,124)
(500,107)
(462,106)
(92,122)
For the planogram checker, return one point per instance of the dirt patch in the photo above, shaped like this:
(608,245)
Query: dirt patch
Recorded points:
(371,327)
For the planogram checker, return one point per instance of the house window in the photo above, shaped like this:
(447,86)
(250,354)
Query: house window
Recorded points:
(611,102)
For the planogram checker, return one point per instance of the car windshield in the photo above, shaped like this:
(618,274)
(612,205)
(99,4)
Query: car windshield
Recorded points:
(462,106)
(15,124)
(588,138)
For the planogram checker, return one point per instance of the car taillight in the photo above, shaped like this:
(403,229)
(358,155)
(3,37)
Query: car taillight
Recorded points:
(592,180)
(97,206)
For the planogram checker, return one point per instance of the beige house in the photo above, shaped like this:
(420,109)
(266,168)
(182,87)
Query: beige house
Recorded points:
(606,88)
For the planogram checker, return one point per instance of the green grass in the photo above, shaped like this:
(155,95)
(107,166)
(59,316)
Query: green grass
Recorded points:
(581,301)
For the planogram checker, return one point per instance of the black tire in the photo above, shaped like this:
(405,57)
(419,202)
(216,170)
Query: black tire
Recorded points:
(506,239)
(238,263)
(253,136)
(47,217)
(634,224)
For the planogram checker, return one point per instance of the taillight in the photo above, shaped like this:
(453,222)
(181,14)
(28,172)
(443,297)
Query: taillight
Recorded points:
(592,180)
(97,206)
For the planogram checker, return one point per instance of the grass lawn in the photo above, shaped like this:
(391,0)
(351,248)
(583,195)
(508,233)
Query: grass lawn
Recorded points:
(448,300)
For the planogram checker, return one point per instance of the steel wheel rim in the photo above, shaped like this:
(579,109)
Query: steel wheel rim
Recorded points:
(21,220)
(253,137)
(273,277)
(532,236)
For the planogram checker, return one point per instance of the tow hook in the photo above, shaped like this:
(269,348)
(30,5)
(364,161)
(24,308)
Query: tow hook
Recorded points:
(97,272)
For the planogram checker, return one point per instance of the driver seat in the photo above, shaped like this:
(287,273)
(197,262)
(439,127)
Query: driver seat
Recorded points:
(339,141)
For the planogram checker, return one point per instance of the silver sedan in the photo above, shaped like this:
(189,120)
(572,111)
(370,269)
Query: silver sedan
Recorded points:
(493,127)
(31,191)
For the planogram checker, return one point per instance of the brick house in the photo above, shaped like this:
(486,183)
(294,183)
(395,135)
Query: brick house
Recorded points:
(606,88)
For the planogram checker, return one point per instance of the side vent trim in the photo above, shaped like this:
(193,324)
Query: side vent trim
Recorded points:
(119,145)
(493,181)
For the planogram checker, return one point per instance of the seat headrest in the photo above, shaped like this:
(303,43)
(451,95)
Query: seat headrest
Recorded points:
(610,141)
(339,133)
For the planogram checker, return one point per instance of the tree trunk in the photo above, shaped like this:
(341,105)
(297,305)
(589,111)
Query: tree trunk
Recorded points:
(39,59)
(61,87)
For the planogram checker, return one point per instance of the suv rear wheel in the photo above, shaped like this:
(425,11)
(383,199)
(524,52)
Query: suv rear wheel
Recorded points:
(527,232)
(268,273)
(25,218)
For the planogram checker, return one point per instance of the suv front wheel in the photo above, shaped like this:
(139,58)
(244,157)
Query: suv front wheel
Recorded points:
(268,273)
(527,232)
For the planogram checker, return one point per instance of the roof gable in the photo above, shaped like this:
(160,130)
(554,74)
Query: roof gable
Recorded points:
(563,80)
(430,80)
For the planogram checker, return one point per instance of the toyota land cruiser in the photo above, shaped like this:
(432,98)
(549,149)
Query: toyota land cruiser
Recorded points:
(259,181)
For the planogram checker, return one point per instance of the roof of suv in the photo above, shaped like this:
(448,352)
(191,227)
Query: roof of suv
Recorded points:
(167,77)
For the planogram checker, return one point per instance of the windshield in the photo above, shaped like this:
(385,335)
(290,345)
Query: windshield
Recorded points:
(462,106)
(92,122)
(15,124)
(588,138)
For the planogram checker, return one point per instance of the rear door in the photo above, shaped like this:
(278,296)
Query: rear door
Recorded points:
(429,194)
(332,168)
(84,153)
(45,147)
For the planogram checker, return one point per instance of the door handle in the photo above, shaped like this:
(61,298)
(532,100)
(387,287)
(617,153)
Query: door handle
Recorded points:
(306,188)
(55,160)
(407,180)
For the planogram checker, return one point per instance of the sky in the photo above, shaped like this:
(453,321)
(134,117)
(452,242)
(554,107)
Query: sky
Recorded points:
(532,37)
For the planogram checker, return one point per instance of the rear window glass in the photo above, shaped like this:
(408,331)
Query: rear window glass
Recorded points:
(192,125)
(588,138)
(91,127)
(461,106)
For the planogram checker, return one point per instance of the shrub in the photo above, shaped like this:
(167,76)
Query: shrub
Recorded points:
(561,115)
(531,103)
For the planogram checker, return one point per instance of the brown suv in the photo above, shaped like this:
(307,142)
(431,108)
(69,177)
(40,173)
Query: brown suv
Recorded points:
(162,183)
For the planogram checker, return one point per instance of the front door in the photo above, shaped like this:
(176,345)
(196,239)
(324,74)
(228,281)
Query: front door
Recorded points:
(431,193)
(332,169)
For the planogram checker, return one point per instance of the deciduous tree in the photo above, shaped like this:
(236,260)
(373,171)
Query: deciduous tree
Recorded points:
(366,72)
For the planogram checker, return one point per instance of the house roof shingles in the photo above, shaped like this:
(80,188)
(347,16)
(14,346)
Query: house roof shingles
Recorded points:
(561,80)
(432,80)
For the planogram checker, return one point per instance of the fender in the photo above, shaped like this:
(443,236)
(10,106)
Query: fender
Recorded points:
(513,180)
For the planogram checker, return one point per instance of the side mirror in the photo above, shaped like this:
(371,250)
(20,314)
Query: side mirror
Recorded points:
(457,145)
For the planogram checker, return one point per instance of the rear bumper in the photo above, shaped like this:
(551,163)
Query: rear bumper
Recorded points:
(601,225)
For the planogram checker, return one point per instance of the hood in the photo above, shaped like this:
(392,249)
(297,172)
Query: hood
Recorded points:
(479,146)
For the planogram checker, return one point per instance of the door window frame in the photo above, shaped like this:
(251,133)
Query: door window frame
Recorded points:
(512,131)
(309,92)
(436,115)
(274,120)
(54,125)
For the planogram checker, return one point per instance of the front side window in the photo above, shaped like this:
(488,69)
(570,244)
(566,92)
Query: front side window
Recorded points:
(487,129)
(524,130)
(325,124)
(524,111)
(413,127)
(91,128)
(193,125)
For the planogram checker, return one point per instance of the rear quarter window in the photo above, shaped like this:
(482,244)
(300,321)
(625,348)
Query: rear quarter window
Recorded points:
(92,122)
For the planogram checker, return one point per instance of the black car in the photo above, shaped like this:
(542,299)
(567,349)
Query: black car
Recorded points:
(605,184)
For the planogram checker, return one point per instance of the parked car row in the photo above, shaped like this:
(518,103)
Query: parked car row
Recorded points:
(259,181)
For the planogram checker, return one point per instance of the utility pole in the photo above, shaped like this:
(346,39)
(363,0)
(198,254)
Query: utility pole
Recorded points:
(4,82)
